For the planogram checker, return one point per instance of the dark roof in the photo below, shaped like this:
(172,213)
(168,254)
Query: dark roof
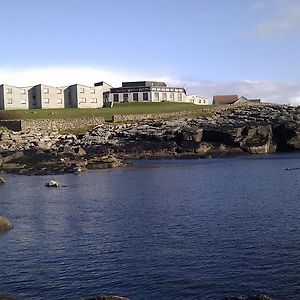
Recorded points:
(225,99)
(143,83)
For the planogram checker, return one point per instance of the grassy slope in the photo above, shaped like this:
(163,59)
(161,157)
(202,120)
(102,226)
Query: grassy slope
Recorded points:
(107,113)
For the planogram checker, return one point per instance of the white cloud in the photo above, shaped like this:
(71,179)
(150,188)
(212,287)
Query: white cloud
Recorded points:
(279,18)
(268,91)
(288,93)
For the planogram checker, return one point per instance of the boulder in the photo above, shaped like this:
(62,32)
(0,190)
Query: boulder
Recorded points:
(7,298)
(52,183)
(5,225)
(2,180)
(77,170)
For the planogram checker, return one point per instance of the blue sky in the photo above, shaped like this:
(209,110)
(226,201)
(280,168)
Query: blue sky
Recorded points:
(249,47)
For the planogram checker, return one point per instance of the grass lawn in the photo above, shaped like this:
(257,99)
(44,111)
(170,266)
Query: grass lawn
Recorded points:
(107,113)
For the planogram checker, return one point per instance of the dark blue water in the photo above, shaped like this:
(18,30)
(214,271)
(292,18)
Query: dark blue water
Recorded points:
(190,229)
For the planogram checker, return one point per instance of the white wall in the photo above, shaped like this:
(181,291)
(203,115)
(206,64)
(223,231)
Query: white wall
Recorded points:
(15,97)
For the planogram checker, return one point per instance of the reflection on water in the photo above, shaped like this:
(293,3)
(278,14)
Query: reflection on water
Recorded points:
(190,229)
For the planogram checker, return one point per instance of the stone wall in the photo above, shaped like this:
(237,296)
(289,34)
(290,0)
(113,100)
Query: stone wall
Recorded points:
(142,117)
(14,125)
(50,124)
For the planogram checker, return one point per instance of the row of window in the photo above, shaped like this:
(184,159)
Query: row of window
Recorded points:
(157,97)
(59,101)
(167,89)
(135,97)
(47,91)
(83,100)
(81,91)
(10,101)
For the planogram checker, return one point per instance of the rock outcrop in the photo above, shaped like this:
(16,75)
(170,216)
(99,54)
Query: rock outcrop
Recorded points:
(229,130)
(5,225)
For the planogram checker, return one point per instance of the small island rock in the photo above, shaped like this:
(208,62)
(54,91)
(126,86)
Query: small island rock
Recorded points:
(5,225)
(52,183)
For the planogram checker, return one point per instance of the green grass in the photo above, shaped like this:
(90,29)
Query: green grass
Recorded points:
(107,113)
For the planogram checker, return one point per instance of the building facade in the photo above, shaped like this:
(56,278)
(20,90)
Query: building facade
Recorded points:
(46,96)
(195,99)
(100,95)
(146,91)
(12,97)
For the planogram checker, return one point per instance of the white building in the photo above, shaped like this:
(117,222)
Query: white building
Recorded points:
(12,97)
(146,91)
(195,99)
(46,96)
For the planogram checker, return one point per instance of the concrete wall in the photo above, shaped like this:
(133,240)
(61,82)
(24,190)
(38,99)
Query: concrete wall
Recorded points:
(2,96)
(197,99)
(51,97)
(14,97)
(34,98)
(89,97)
(14,125)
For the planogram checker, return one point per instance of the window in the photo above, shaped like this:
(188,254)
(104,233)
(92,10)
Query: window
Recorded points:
(179,97)
(172,96)
(125,97)
(82,100)
(93,100)
(135,97)
(204,101)
(23,101)
(116,97)
(145,97)
(9,101)
(156,96)
(23,91)
(59,91)
(81,90)
(8,91)
(59,101)
(164,96)
(46,91)
(46,100)
(93,91)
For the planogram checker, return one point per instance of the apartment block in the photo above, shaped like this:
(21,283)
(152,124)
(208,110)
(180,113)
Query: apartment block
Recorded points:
(45,96)
(12,97)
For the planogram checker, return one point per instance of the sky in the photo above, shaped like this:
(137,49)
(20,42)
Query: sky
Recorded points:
(245,47)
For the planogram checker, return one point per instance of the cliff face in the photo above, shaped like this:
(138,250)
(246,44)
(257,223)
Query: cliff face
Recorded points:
(254,129)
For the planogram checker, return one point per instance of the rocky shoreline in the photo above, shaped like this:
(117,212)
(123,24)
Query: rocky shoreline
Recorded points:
(230,130)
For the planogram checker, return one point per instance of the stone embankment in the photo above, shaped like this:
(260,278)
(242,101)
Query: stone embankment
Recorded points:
(50,124)
(234,129)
